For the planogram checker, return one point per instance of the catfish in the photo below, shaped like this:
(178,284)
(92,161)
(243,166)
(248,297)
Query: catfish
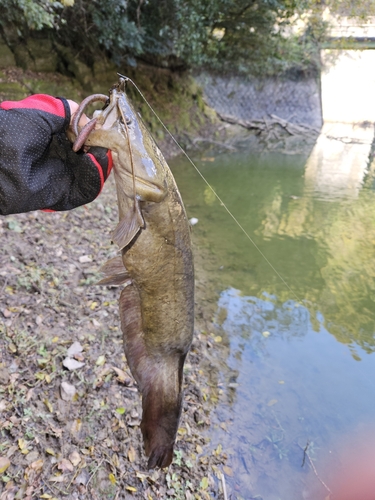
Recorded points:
(155,266)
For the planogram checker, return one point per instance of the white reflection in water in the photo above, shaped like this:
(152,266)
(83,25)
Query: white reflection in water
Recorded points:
(337,164)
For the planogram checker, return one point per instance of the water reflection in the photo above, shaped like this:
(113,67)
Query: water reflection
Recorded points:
(338,163)
(293,372)
(296,386)
(323,247)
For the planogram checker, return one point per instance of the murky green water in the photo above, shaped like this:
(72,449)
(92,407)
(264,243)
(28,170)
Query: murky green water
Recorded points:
(301,362)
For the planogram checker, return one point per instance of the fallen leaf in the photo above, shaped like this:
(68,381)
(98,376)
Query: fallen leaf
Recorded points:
(4,464)
(67,391)
(75,348)
(228,471)
(100,361)
(112,478)
(272,402)
(120,411)
(72,364)
(48,405)
(130,488)
(266,334)
(75,458)
(50,451)
(37,465)
(121,376)
(131,454)
(57,479)
(82,478)
(76,427)
(65,465)
(22,444)
(115,460)
(204,483)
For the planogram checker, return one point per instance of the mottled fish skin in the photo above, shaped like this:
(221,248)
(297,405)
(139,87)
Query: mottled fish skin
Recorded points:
(157,303)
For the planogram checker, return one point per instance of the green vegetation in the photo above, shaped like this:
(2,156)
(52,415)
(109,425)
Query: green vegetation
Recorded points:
(257,36)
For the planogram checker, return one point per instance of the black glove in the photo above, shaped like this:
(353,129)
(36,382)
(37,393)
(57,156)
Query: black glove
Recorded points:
(38,168)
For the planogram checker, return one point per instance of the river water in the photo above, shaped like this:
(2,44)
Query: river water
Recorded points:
(300,332)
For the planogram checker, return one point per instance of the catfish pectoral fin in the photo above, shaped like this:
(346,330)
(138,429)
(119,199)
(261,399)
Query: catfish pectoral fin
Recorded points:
(114,272)
(116,280)
(128,227)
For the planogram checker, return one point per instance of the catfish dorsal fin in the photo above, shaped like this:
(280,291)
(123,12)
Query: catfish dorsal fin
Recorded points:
(128,227)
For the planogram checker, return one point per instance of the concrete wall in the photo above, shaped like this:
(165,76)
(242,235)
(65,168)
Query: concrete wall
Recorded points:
(297,101)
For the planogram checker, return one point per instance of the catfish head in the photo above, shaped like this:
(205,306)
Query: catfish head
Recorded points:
(139,167)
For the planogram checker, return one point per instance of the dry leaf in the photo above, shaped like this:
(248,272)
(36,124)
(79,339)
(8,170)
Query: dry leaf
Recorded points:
(37,465)
(272,402)
(131,454)
(204,483)
(115,460)
(67,391)
(65,465)
(121,376)
(75,458)
(57,479)
(48,405)
(100,361)
(76,427)
(4,464)
(112,478)
(227,471)
(22,444)
(75,348)
(72,364)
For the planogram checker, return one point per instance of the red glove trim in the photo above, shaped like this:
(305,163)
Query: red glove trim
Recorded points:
(41,102)
(110,162)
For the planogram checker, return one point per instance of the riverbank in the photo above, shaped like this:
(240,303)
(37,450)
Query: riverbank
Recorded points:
(73,432)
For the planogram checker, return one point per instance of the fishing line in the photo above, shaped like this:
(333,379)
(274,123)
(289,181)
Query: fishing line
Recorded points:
(131,157)
(213,191)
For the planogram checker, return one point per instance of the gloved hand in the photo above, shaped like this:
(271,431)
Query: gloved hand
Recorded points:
(38,168)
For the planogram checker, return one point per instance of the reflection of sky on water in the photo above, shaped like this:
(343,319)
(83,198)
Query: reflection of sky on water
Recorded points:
(295,385)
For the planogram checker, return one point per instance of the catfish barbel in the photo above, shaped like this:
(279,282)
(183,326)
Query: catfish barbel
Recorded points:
(156,266)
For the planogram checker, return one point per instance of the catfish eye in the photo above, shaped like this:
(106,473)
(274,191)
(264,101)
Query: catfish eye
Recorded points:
(127,119)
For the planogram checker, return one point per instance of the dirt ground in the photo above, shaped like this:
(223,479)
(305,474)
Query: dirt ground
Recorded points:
(69,407)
